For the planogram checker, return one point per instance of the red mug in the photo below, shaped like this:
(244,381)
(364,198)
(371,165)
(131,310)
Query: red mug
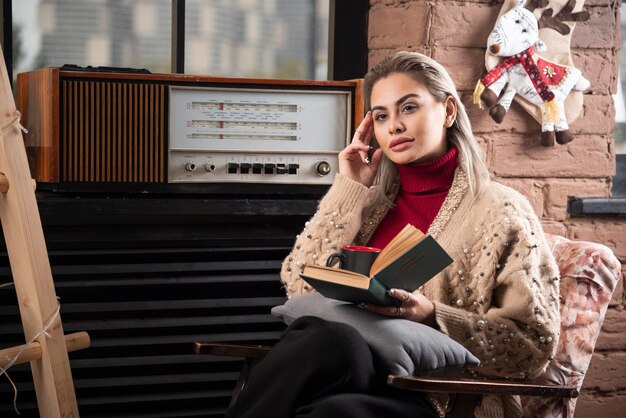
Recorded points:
(355,258)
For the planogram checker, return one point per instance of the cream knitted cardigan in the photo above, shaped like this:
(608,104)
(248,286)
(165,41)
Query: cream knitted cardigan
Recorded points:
(500,296)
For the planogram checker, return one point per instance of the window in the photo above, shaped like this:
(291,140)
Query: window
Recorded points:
(112,33)
(257,39)
(233,38)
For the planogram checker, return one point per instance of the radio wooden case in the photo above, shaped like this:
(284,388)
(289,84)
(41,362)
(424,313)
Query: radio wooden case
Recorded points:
(109,127)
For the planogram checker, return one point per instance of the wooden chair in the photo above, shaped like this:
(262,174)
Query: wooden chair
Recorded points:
(589,275)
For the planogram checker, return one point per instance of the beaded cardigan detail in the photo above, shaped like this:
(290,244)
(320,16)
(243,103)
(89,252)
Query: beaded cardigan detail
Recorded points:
(500,296)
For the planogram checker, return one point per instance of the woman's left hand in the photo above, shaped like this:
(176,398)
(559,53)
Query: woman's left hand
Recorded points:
(412,306)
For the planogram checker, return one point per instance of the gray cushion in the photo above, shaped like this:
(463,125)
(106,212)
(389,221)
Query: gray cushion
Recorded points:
(399,346)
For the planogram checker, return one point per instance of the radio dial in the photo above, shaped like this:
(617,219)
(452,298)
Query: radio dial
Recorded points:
(190,167)
(322,168)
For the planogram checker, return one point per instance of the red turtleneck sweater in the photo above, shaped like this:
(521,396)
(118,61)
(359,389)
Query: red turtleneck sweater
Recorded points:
(423,188)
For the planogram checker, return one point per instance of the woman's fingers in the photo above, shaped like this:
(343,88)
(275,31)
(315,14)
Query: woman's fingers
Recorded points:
(391,311)
(357,161)
(400,295)
(356,151)
(403,308)
(377,157)
(363,136)
(364,130)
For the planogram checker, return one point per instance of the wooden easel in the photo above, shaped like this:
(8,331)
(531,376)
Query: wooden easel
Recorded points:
(32,275)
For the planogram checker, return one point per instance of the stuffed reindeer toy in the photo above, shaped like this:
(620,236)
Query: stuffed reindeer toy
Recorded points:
(522,72)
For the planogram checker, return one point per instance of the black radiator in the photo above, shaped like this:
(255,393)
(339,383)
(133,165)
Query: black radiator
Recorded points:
(146,275)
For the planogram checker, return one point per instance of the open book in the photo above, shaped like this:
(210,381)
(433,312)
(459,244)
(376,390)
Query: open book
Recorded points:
(409,260)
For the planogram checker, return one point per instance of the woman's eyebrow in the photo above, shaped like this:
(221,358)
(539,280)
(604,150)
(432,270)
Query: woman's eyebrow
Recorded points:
(398,102)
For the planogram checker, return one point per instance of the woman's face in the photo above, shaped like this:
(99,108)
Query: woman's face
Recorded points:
(409,122)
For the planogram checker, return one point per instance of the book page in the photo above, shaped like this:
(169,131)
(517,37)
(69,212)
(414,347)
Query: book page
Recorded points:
(335,275)
(406,239)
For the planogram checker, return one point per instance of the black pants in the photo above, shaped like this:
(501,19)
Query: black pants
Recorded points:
(322,369)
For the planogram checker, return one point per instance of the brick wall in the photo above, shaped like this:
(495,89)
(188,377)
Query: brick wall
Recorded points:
(455,34)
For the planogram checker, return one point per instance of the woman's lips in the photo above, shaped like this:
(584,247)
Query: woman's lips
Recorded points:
(400,144)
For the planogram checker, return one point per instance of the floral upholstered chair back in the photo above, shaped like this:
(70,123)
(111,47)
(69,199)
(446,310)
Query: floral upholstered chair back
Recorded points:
(589,275)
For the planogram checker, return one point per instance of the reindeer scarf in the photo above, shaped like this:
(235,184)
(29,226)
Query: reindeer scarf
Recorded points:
(525,58)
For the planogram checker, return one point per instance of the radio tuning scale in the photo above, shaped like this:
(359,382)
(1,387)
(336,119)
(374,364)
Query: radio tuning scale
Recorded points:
(221,135)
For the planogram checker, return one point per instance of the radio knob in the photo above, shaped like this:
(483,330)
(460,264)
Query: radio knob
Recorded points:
(322,168)
(190,167)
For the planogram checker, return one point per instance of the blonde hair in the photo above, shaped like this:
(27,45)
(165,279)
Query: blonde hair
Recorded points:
(433,76)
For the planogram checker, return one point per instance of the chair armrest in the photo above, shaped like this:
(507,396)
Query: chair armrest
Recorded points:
(457,384)
(252,354)
(232,350)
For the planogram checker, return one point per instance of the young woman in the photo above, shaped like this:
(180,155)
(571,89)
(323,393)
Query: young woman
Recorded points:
(414,160)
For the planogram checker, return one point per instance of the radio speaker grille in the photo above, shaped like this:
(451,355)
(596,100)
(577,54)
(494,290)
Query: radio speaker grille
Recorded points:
(112,132)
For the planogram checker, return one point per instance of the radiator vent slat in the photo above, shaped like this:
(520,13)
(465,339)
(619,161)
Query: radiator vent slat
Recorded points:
(146,288)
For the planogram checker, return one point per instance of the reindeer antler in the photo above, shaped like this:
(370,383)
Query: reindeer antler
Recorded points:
(536,4)
(556,22)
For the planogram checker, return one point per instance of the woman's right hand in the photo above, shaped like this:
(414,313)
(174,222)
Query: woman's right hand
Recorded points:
(354,161)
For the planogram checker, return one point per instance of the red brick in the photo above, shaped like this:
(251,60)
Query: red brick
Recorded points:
(484,145)
(618,294)
(598,31)
(601,405)
(557,192)
(589,3)
(608,231)
(403,25)
(553,227)
(597,117)
(473,21)
(618,27)
(530,188)
(613,334)
(375,55)
(523,156)
(549,196)
(465,65)
(606,372)
(599,67)
(487,147)
(615,72)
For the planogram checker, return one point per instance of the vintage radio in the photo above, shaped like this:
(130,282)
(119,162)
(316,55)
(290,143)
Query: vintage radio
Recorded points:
(116,127)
